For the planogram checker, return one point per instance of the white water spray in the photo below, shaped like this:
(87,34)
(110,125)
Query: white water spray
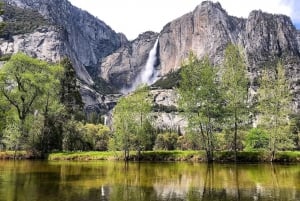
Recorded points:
(148,74)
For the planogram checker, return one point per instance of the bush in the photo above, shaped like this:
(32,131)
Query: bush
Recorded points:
(256,139)
(166,141)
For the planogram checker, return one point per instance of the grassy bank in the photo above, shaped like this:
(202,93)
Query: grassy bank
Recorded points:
(195,156)
(10,155)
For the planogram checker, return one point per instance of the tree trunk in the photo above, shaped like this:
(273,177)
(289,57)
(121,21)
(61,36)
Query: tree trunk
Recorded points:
(235,136)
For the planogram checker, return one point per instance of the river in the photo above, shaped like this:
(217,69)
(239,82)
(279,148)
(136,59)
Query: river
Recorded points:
(117,181)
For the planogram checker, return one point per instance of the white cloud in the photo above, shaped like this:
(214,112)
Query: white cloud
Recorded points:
(133,17)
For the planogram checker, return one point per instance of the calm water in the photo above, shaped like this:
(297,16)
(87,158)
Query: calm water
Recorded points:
(104,180)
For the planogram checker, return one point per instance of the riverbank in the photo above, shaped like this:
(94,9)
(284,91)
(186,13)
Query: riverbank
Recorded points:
(193,156)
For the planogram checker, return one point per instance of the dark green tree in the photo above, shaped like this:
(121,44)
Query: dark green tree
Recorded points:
(70,95)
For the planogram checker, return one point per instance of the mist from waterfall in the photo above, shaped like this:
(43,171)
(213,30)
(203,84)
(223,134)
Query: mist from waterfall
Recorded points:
(148,74)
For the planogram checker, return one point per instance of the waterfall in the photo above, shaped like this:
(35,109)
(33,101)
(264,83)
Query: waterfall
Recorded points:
(105,120)
(148,74)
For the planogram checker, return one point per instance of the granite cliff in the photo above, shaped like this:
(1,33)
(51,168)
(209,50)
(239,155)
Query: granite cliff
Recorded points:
(265,39)
(53,29)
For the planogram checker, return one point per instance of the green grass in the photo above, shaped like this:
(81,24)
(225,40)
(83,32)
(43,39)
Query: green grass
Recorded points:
(176,155)
(90,155)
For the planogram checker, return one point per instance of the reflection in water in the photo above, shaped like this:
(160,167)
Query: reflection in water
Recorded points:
(115,181)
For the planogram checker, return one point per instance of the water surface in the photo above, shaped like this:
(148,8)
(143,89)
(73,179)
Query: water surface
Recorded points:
(116,181)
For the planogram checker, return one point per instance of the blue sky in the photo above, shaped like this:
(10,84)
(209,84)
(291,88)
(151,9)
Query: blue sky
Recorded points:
(133,17)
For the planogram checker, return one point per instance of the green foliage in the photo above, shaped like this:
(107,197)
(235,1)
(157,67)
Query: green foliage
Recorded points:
(12,138)
(295,128)
(169,81)
(28,88)
(21,21)
(130,117)
(274,106)
(201,101)
(5,57)
(70,96)
(166,141)
(96,136)
(234,84)
(257,139)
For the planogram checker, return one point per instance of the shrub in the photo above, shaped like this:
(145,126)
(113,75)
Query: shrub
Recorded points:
(256,139)
(166,141)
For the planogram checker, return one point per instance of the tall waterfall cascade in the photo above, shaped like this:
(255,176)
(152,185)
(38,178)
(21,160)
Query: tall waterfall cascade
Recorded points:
(148,74)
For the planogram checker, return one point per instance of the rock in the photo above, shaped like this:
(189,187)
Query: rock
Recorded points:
(265,39)
(44,44)
(121,67)
(95,102)
(165,115)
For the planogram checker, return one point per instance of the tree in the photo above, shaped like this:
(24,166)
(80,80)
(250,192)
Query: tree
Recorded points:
(29,86)
(274,107)
(234,83)
(70,96)
(130,117)
(96,136)
(200,100)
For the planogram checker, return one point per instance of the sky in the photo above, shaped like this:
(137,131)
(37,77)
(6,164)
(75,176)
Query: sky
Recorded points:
(133,17)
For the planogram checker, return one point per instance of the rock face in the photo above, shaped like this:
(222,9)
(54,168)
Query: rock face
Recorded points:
(265,38)
(86,38)
(73,33)
(208,29)
(122,67)
(165,114)
(44,43)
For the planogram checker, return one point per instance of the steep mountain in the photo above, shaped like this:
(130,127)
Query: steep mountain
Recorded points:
(50,30)
(85,39)
(265,39)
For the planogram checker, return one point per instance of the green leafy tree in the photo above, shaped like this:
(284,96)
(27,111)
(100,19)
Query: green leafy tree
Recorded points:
(234,83)
(29,86)
(200,100)
(130,120)
(96,136)
(274,106)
